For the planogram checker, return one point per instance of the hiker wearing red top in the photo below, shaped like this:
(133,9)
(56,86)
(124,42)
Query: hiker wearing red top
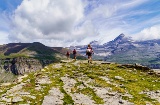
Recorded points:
(68,55)
(89,53)
(74,54)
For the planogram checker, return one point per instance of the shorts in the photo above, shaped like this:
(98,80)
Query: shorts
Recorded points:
(89,53)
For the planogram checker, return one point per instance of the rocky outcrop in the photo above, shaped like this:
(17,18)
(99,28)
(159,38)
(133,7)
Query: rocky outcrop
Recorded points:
(22,65)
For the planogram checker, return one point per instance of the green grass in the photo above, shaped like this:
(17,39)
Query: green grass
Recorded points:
(67,98)
(135,81)
(90,92)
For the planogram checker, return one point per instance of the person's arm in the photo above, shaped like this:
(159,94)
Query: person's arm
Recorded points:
(92,50)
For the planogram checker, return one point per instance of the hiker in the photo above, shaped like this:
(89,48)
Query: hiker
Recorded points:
(68,55)
(74,54)
(89,53)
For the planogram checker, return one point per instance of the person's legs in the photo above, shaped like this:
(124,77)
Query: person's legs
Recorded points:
(74,56)
(89,57)
(68,57)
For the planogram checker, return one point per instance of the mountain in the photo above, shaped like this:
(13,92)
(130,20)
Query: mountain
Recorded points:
(124,50)
(129,51)
(34,50)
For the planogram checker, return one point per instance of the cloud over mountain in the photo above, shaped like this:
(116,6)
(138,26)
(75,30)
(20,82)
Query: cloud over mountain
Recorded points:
(148,33)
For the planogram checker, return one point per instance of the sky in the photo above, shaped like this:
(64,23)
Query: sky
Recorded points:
(77,22)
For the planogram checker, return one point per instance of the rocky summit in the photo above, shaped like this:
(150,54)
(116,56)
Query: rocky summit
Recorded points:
(77,82)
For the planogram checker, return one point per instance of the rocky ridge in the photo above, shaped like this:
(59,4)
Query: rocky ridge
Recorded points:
(77,82)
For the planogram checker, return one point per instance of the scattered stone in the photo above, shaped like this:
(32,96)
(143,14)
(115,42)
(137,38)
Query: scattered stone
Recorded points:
(33,97)
(15,88)
(109,97)
(81,99)
(121,102)
(57,65)
(121,85)
(44,80)
(24,93)
(111,93)
(8,100)
(157,91)
(38,87)
(127,95)
(54,97)
(20,78)
(151,72)
(17,99)
(119,78)
(68,83)
(152,94)
(81,86)
(105,78)
(148,103)
(5,84)
(43,70)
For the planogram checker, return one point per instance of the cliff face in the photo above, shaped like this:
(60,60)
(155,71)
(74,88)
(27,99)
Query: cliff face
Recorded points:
(21,65)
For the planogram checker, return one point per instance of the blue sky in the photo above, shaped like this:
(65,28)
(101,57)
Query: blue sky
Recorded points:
(74,22)
(9,5)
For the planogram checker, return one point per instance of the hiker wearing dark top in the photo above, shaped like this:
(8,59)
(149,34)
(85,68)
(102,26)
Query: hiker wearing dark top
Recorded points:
(68,55)
(74,54)
(89,53)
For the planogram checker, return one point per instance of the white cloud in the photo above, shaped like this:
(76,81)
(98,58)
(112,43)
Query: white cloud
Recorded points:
(4,27)
(75,22)
(4,37)
(4,21)
(148,33)
(112,18)
(48,20)
(131,3)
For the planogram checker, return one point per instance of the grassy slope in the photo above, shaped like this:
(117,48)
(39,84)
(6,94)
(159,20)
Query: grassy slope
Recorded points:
(135,81)
(35,50)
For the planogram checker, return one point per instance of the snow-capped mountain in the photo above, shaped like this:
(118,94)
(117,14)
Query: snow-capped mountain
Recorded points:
(123,49)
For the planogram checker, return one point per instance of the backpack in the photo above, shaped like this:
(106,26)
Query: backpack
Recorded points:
(67,53)
(88,51)
(74,52)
